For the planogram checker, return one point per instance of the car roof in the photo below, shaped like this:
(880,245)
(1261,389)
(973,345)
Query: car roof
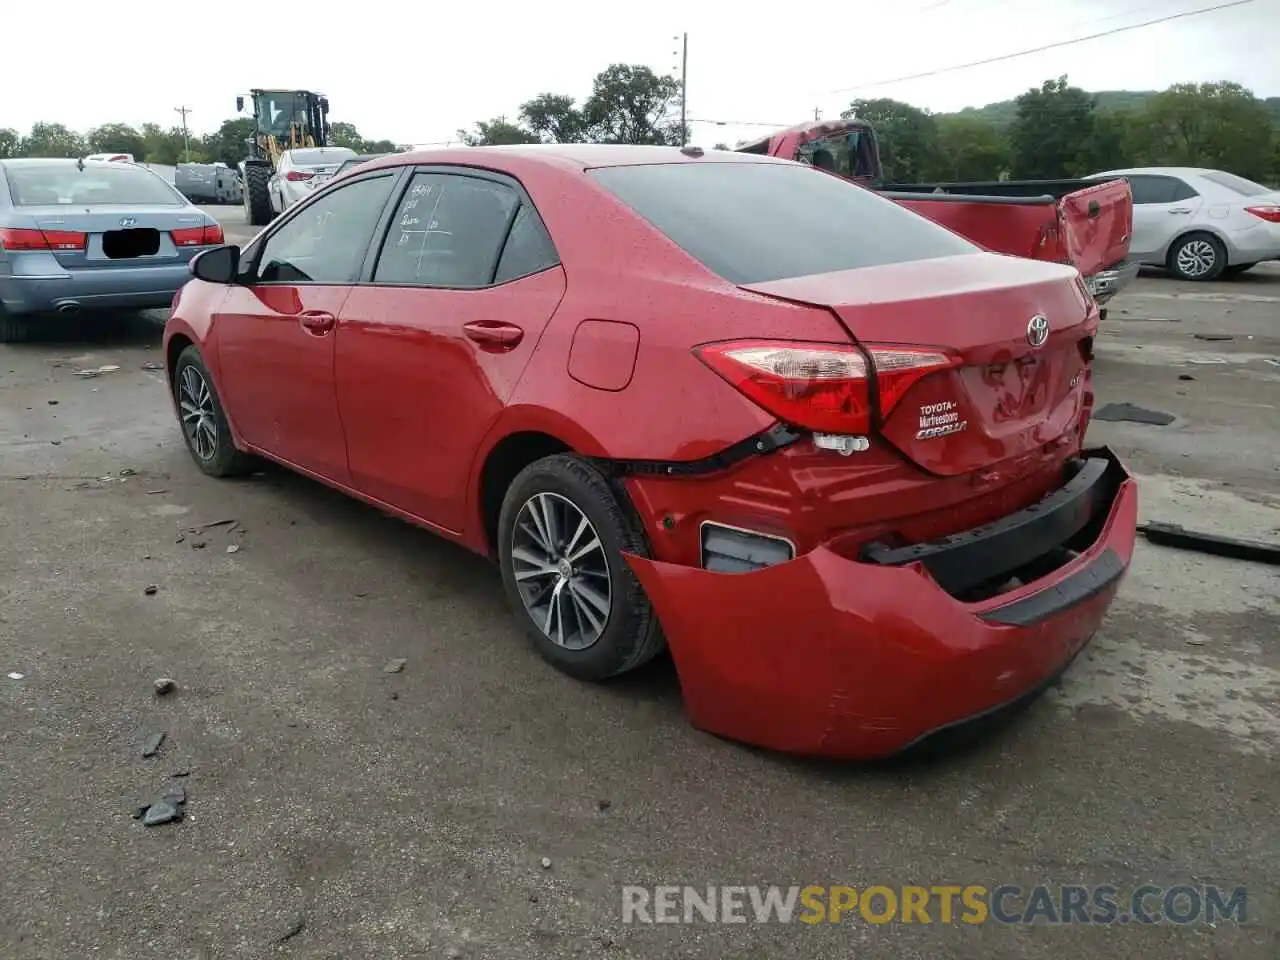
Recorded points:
(580,156)
(1159,171)
(64,161)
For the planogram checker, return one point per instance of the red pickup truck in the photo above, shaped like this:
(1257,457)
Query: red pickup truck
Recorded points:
(1086,223)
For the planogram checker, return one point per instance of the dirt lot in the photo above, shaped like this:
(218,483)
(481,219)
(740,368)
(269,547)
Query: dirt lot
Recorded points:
(336,810)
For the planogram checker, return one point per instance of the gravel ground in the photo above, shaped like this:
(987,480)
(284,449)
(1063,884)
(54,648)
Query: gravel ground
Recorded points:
(338,810)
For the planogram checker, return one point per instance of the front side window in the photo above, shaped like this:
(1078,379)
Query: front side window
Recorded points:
(447,232)
(1152,189)
(326,242)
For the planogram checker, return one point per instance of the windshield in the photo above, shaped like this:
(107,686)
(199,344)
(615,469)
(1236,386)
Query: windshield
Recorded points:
(277,110)
(115,184)
(756,222)
(1240,185)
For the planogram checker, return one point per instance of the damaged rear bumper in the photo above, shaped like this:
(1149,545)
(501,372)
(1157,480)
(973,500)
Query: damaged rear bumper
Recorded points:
(860,654)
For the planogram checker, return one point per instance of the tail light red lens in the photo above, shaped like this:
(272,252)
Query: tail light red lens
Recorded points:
(824,387)
(296,175)
(1267,211)
(22,240)
(207,236)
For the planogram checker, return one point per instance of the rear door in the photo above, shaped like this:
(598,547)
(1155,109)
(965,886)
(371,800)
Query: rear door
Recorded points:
(275,331)
(430,351)
(1097,224)
(1163,207)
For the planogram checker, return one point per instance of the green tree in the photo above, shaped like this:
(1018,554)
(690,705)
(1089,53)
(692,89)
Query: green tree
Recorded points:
(229,143)
(496,131)
(968,148)
(554,118)
(632,104)
(1218,125)
(10,142)
(908,137)
(1109,147)
(1053,132)
(343,134)
(52,140)
(116,138)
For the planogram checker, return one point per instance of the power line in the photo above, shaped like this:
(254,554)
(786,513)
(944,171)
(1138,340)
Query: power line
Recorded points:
(1048,46)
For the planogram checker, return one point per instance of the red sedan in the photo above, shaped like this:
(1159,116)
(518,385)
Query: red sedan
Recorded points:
(826,451)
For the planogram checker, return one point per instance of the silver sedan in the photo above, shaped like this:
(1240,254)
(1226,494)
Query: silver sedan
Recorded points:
(301,171)
(1200,224)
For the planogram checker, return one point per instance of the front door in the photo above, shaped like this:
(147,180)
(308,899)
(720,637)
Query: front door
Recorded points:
(430,352)
(1163,207)
(276,330)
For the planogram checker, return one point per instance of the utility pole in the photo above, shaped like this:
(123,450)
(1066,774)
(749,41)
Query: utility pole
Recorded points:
(684,86)
(186,140)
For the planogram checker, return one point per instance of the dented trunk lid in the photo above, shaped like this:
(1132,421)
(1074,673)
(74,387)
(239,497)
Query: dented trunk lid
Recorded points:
(1008,395)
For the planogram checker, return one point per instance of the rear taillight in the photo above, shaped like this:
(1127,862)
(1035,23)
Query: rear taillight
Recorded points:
(1267,211)
(22,240)
(207,236)
(296,175)
(824,387)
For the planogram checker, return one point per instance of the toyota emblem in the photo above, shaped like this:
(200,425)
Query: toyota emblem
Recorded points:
(1038,330)
(127,221)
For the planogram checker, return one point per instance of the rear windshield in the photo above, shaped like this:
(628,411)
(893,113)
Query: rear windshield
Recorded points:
(756,222)
(1246,188)
(116,184)
(319,156)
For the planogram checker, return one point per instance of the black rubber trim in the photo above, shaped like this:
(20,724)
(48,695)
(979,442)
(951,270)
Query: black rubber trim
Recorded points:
(1042,201)
(775,438)
(1174,535)
(1086,582)
(972,557)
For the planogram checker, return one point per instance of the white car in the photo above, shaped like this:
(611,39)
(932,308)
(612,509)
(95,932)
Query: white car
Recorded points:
(1199,224)
(301,171)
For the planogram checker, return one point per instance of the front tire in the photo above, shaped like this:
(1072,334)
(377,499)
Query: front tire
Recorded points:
(204,425)
(1199,257)
(257,196)
(561,536)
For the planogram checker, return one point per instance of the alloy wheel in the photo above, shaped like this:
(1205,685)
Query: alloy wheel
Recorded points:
(199,421)
(1196,258)
(561,571)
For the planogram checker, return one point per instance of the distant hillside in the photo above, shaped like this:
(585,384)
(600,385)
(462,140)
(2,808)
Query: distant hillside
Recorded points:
(1109,100)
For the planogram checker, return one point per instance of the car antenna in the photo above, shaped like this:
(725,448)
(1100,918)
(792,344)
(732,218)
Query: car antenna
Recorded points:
(692,151)
(80,164)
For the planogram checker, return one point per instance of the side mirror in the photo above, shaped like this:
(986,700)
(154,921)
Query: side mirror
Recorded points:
(217,265)
(239,104)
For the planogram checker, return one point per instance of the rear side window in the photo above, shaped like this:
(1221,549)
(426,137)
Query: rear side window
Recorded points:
(447,232)
(756,222)
(1246,188)
(115,184)
(529,248)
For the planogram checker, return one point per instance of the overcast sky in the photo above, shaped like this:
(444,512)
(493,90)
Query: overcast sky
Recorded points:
(416,72)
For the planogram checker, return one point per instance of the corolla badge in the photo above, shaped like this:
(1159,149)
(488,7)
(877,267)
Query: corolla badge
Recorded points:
(1038,330)
(128,221)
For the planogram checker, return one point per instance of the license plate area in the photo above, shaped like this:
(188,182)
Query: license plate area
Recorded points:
(127,244)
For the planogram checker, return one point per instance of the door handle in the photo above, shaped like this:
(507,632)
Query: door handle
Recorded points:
(1180,210)
(317,321)
(491,333)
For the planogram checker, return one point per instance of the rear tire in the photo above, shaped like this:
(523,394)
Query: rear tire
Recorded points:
(596,622)
(13,329)
(204,425)
(1199,257)
(257,198)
